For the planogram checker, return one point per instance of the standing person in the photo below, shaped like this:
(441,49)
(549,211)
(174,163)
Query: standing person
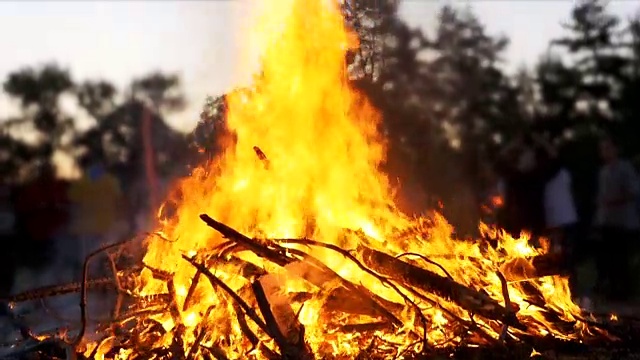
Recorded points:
(9,240)
(492,196)
(526,175)
(617,219)
(561,219)
(97,201)
(41,210)
(560,213)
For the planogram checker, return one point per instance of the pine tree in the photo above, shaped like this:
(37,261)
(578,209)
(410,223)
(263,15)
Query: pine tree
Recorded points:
(592,43)
(474,97)
(629,104)
(39,91)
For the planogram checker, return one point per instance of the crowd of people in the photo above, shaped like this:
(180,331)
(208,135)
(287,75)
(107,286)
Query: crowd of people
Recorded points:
(535,195)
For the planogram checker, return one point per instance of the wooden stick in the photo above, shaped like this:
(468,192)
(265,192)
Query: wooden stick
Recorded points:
(357,298)
(522,269)
(252,245)
(83,290)
(426,280)
(253,338)
(296,349)
(262,156)
(349,297)
(507,305)
(55,290)
(219,283)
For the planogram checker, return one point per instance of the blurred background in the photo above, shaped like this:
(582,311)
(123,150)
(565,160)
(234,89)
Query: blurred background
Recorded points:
(104,103)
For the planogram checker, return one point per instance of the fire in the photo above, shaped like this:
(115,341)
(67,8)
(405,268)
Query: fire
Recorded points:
(497,201)
(319,178)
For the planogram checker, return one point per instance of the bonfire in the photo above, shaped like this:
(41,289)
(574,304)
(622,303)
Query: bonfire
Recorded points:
(289,244)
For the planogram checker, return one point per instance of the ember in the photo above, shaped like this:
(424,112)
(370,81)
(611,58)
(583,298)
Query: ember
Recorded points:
(289,244)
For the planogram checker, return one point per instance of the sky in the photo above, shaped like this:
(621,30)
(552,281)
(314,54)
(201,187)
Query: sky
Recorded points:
(118,40)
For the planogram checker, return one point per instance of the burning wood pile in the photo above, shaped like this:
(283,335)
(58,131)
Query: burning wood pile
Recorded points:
(299,307)
(298,251)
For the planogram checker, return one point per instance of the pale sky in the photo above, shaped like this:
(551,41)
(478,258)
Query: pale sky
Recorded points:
(118,40)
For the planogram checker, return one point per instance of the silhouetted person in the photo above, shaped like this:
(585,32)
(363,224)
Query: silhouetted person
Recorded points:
(561,216)
(617,219)
(525,177)
(41,214)
(96,201)
(8,238)
(492,197)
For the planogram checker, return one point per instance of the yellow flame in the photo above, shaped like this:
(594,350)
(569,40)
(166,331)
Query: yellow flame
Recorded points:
(321,176)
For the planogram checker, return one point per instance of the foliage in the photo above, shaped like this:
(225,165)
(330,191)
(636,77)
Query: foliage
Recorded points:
(162,91)
(115,138)
(117,141)
(587,83)
(96,97)
(38,91)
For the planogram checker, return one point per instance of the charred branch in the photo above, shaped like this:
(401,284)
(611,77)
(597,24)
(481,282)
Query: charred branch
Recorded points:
(250,244)
(83,289)
(356,298)
(465,297)
(290,340)
(57,290)
(262,156)
(522,269)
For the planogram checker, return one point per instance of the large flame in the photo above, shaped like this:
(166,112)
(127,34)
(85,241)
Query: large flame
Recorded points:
(321,176)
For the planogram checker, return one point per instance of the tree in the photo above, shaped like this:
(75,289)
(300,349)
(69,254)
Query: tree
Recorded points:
(116,139)
(96,97)
(476,100)
(208,138)
(598,66)
(162,91)
(558,85)
(389,70)
(39,91)
(444,100)
(582,98)
(15,157)
(629,104)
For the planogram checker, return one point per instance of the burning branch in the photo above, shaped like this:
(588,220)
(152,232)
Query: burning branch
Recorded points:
(507,304)
(276,253)
(278,321)
(469,299)
(262,156)
(296,349)
(250,244)
(270,329)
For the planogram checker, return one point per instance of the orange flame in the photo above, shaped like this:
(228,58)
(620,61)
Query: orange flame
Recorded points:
(324,151)
(497,201)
